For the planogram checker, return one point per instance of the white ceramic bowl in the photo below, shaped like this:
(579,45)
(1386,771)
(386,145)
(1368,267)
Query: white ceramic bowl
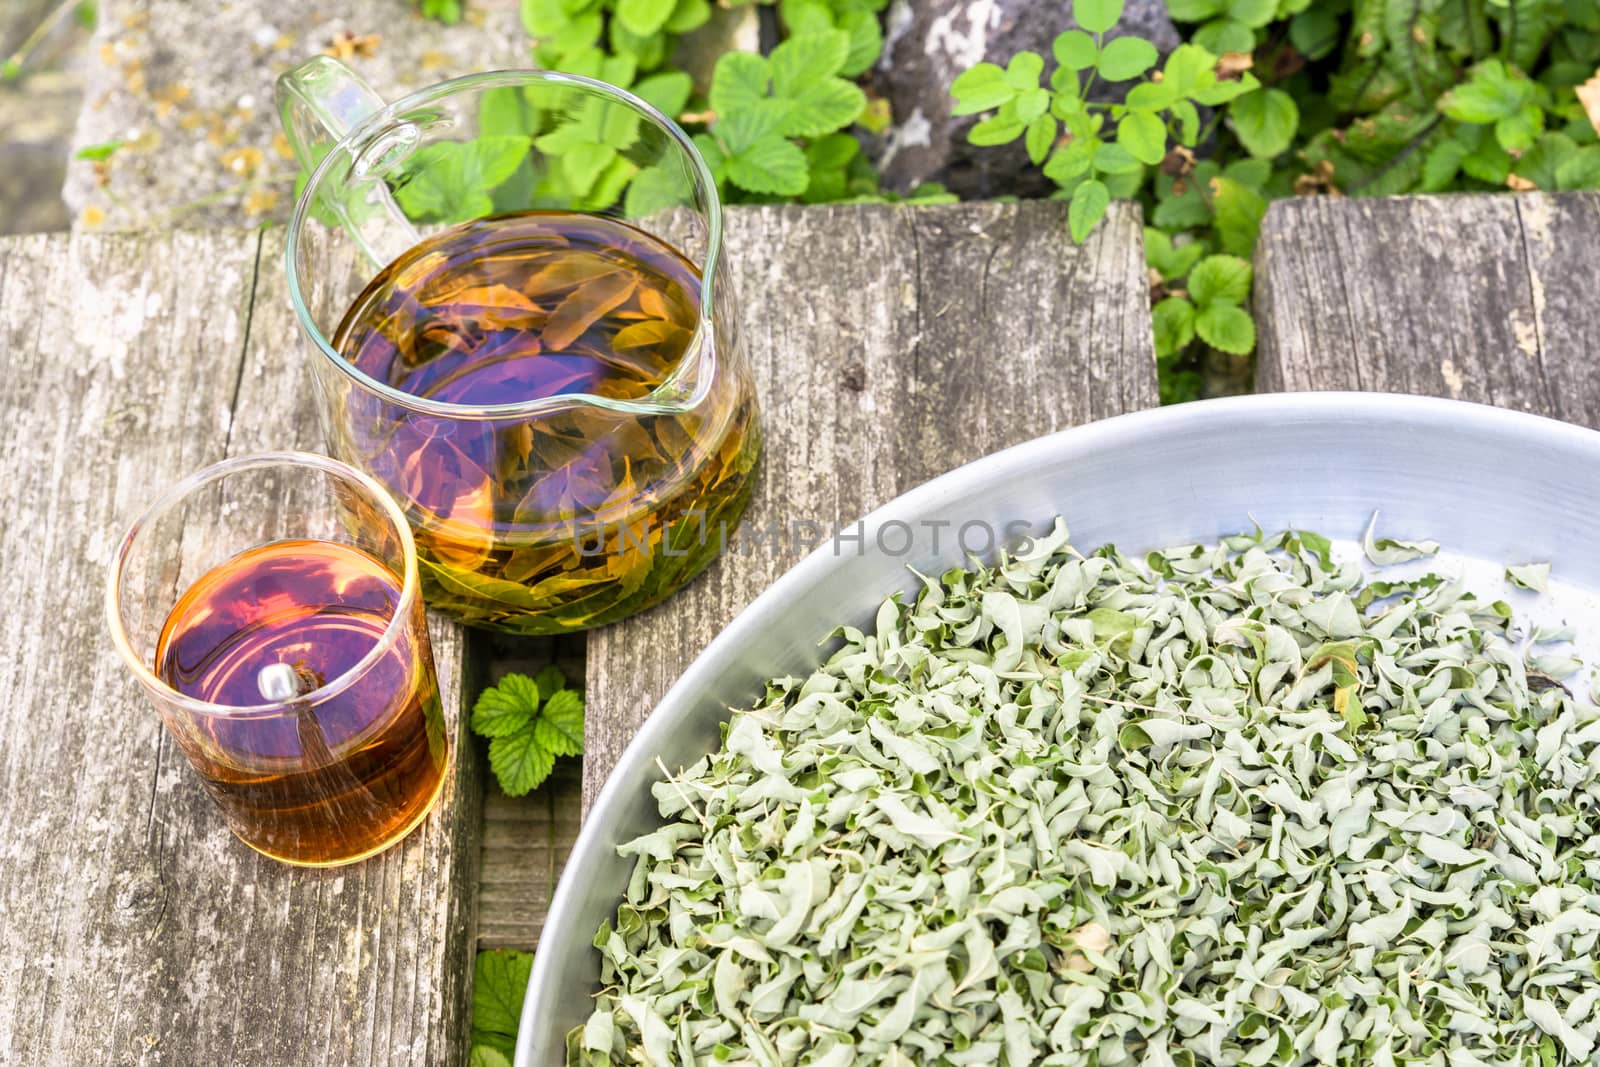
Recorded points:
(1496,487)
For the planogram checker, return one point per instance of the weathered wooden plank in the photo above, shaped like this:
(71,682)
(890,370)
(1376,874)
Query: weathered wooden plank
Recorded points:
(890,345)
(137,929)
(526,840)
(1487,298)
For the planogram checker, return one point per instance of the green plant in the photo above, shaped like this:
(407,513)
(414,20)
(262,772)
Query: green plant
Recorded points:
(773,125)
(530,722)
(446,11)
(499,980)
(1352,97)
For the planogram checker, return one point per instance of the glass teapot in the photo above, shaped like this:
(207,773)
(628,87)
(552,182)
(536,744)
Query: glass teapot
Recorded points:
(514,287)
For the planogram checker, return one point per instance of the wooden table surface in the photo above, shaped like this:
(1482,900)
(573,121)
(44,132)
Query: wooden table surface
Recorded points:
(890,344)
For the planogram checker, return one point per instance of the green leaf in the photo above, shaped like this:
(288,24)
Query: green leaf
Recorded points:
(1030,104)
(487,1056)
(1115,159)
(1253,13)
(1188,119)
(1226,327)
(550,679)
(800,16)
(1194,10)
(520,763)
(1040,137)
(1314,32)
(807,58)
(449,181)
(995,131)
(1171,261)
(1173,322)
(1144,136)
(1516,133)
(711,151)
(507,707)
(1220,279)
(1151,96)
(1076,50)
(688,15)
(1126,57)
(1089,203)
(866,41)
(560,723)
(499,984)
(833,152)
(979,89)
(823,107)
(1540,163)
(1225,35)
(1189,208)
(506,112)
(1069,162)
(657,188)
(771,164)
(1096,16)
(1581,170)
(738,83)
(1220,92)
(1488,162)
(1265,121)
(667,91)
(1024,71)
(582,163)
(743,127)
(98,152)
(542,18)
(1251,173)
(1492,92)
(1188,67)
(1442,164)
(644,16)
(1238,211)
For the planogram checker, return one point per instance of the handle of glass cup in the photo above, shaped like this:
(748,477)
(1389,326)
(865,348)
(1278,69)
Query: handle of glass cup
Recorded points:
(319,103)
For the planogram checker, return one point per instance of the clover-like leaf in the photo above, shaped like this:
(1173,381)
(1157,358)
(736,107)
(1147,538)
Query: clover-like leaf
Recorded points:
(1220,279)
(1126,57)
(520,763)
(1173,322)
(807,58)
(979,88)
(1096,16)
(770,164)
(824,106)
(1075,50)
(1087,207)
(560,724)
(738,82)
(644,16)
(1265,121)
(1144,136)
(505,708)
(1227,327)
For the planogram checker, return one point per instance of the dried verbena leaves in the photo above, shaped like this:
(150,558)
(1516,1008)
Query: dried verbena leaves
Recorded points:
(1077,810)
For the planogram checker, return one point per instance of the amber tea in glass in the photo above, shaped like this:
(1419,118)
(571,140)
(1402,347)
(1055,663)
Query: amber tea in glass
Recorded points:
(561,515)
(294,672)
(545,372)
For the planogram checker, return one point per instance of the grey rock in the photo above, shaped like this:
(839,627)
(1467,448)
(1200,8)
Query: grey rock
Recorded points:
(188,88)
(929,42)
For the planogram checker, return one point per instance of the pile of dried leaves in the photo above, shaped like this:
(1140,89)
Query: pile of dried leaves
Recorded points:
(1235,804)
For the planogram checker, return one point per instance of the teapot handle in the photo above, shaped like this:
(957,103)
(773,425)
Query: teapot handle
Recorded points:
(320,103)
